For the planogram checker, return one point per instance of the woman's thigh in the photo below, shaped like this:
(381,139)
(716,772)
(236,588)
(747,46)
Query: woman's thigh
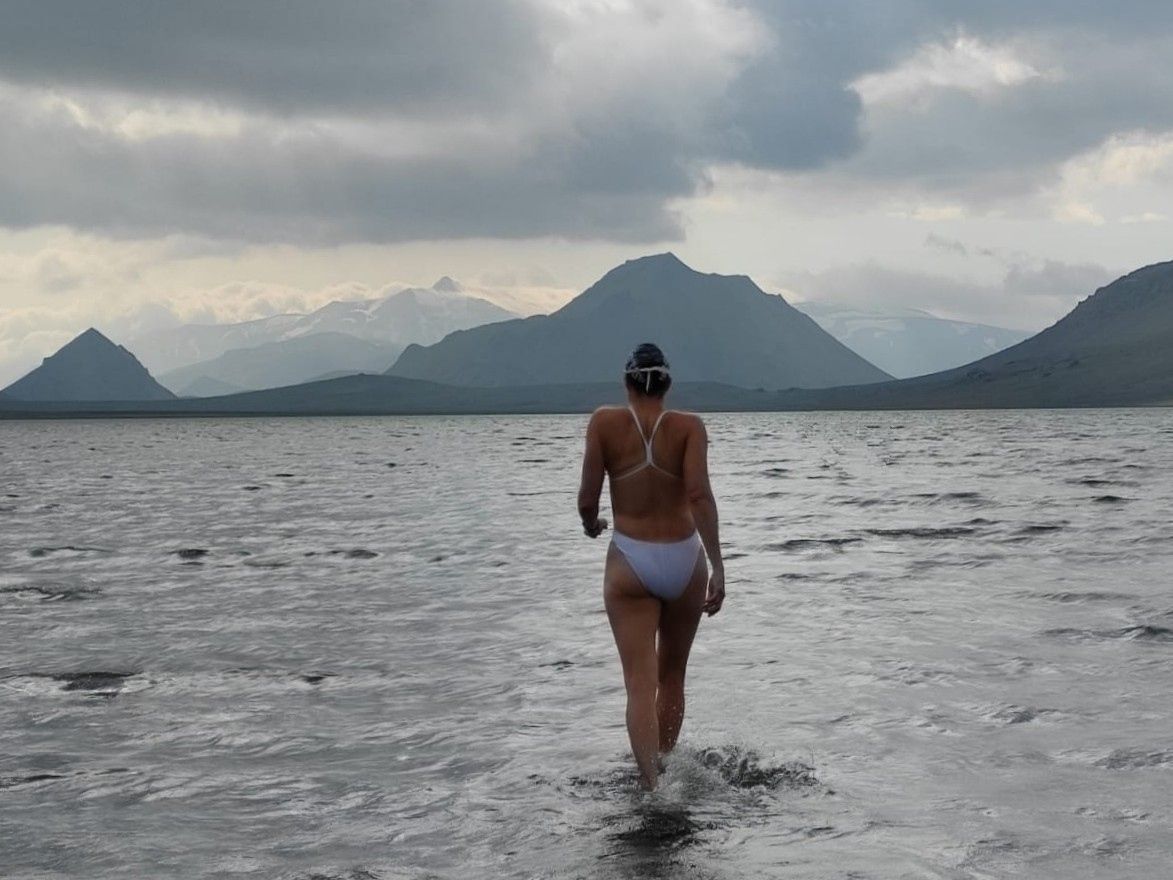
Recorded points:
(679,620)
(635,616)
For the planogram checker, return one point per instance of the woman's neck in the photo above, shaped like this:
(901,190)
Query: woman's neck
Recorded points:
(651,406)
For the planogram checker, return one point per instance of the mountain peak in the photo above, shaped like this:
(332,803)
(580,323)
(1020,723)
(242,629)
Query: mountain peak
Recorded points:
(1140,291)
(1153,270)
(447,285)
(662,279)
(656,271)
(90,338)
(666,260)
(90,343)
(719,328)
(89,367)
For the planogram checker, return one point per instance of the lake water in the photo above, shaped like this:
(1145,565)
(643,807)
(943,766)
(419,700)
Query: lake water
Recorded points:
(375,648)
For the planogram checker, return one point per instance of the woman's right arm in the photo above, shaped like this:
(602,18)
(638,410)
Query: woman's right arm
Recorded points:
(704,510)
(591,486)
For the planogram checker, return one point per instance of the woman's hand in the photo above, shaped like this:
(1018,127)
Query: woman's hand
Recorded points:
(715,596)
(593,530)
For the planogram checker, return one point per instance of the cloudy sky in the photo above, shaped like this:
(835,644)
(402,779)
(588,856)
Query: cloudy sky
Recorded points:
(219,160)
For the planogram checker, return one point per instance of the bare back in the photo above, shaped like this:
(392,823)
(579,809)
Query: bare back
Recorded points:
(649,503)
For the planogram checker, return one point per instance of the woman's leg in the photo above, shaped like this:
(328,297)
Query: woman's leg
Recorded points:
(634,614)
(678,624)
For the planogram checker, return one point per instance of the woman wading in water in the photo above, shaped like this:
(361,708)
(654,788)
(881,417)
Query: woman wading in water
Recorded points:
(656,583)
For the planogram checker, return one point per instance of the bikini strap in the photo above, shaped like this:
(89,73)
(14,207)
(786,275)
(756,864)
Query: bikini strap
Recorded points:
(656,426)
(638,426)
(647,438)
(648,461)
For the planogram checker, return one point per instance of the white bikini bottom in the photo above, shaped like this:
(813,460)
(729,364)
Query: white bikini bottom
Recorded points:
(663,567)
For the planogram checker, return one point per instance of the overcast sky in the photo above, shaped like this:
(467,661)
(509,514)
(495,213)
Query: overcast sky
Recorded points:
(219,160)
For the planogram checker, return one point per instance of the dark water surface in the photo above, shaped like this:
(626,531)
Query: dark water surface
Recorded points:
(375,648)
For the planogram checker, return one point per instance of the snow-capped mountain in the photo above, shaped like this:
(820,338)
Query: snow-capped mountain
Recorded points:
(423,315)
(287,362)
(909,342)
(714,328)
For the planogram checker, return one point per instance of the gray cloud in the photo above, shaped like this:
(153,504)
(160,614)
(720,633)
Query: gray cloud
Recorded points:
(1055,279)
(493,158)
(287,56)
(792,106)
(1125,17)
(948,245)
(507,143)
(312,189)
(978,147)
(1030,296)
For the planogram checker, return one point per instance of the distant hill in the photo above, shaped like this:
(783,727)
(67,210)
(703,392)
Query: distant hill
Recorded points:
(89,368)
(1114,349)
(380,394)
(205,387)
(715,328)
(288,362)
(413,315)
(910,342)
(166,350)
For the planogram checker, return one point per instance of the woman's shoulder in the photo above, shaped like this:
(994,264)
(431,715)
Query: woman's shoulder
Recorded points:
(684,417)
(611,413)
(607,412)
(605,416)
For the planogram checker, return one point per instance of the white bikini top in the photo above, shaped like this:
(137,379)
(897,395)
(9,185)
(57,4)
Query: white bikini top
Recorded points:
(648,460)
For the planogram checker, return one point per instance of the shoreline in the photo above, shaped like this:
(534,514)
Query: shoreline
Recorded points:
(373,395)
(141,414)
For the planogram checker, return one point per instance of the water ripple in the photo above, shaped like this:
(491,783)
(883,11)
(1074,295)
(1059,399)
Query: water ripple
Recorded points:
(376,648)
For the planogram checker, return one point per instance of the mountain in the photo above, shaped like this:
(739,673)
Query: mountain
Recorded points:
(1114,349)
(910,342)
(715,328)
(166,350)
(287,362)
(205,387)
(385,395)
(413,315)
(89,368)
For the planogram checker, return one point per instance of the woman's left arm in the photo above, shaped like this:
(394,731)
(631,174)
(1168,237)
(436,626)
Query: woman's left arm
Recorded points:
(592,479)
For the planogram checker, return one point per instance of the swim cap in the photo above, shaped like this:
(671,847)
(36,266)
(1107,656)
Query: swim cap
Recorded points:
(644,361)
